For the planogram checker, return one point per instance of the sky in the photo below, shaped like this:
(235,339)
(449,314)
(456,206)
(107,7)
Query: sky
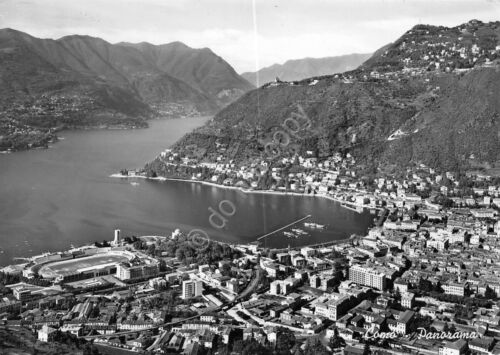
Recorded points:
(249,34)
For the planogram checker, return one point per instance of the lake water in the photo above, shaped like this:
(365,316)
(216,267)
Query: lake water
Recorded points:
(53,198)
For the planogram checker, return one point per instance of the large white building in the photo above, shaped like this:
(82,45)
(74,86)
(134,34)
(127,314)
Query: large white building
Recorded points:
(401,326)
(308,252)
(333,309)
(46,334)
(483,213)
(191,288)
(455,288)
(280,287)
(368,277)
(407,299)
(137,270)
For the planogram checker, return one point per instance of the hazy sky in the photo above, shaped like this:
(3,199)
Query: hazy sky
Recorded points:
(282,30)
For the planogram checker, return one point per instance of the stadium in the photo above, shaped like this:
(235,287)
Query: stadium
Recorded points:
(85,267)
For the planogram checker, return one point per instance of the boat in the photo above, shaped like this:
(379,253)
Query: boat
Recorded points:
(314,225)
(134,183)
(299,231)
(290,235)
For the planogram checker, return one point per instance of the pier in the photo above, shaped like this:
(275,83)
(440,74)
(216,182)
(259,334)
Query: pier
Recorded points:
(284,227)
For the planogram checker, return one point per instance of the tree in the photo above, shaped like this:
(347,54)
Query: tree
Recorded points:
(151,250)
(285,341)
(226,269)
(425,285)
(335,254)
(94,313)
(490,293)
(251,347)
(313,346)
(336,341)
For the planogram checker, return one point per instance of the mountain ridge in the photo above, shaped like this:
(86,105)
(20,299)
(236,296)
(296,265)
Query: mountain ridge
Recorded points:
(430,97)
(83,77)
(298,69)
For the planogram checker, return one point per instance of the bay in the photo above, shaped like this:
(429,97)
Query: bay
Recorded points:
(54,198)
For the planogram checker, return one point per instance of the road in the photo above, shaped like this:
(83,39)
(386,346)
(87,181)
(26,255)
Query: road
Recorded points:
(158,342)
(252,285)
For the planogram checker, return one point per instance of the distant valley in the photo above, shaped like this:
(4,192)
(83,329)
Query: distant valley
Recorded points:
(298,69)
(81,81)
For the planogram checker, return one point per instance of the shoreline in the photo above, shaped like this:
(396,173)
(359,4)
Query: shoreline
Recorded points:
(246,191)
(103,127)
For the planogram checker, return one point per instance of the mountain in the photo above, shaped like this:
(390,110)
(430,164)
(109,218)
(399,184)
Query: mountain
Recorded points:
(200,68)
(299,69)
(81,81)
(431,97)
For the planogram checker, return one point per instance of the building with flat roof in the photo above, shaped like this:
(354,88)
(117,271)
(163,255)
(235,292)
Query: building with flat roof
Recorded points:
(458,347)
(333,309)
(308,251)
(455,288)
(191,288)
(407,299)
(137,270)
(368,276)
(483,213)
(46,334)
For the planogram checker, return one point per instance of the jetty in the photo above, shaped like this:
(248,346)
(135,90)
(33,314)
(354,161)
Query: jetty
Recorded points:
(284,227)
(353,207)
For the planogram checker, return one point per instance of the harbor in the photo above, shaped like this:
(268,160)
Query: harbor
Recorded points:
(284,227)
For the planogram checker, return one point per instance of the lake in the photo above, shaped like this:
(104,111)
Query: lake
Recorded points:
(53,198)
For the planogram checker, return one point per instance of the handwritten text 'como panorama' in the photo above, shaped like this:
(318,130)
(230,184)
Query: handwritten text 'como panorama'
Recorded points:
(422,334)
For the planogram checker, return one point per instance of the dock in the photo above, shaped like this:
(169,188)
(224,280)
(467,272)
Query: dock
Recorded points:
(284,227)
